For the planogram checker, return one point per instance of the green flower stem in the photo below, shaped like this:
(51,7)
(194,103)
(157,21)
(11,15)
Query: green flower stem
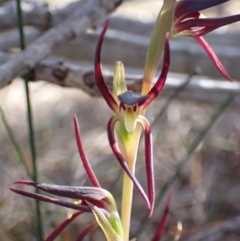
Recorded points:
(191,150)
(127,195)
(39,232)
(128,145)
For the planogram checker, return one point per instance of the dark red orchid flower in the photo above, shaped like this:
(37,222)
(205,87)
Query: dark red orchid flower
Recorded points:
(95,199)
(128,108)
(189,21)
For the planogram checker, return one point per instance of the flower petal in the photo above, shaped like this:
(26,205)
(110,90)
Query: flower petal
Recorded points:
(163,221)
(99,77)
(207,24)
(122,162)
(53,200)
(158,86)
(213,56)
(85,162)
(103,222)
(62,225)
(119,82)
(149,161)
(87,230)
(184,7)
(94,195)
(164,24)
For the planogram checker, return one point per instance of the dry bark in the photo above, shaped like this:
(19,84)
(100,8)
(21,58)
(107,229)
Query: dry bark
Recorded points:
(36,13)
(90,14)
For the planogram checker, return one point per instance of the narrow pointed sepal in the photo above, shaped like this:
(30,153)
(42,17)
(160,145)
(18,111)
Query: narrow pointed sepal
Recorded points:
(62,226)
(213,57)
(158,86)
(85,162)
(98,74)
(98,196)
(52,200)
(119,82)
(184,7)
(163,221)
(75,192)
(122,162)
(204,25)
(164,24)
(149,161)
(105,225)
(87,230)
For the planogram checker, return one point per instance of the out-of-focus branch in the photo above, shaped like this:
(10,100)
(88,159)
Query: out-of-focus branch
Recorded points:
(131,49)
(42,15)
(90,14)
(3,1)
(5,57)
(36,13)
(80,75)
(10,38)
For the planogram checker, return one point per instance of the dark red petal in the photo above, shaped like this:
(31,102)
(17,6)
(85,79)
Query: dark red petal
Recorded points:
(52,200)
(163,221)
(122,162)
(194,15)
(188,6)
(92,194)
(87,230)
(208,24)
(61,226)
(158,86)
(98,74)
(149,162)
(213,56)
(85,162)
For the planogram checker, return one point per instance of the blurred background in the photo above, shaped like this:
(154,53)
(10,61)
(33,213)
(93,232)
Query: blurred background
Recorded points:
(206,191)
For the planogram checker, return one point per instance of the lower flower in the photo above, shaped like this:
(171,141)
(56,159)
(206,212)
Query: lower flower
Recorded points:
(94,200)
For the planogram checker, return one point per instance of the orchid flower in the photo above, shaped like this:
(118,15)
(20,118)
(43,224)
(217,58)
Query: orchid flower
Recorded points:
(189,21)
(95,199)
(128,108)
(126,124)
(183,18)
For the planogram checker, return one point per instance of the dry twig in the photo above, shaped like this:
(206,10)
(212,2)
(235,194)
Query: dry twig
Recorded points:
(36,13)
(90,14)
(81,76)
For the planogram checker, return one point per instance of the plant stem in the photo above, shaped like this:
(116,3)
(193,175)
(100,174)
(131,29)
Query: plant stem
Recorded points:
(127,195)
(39,231)
(129,148)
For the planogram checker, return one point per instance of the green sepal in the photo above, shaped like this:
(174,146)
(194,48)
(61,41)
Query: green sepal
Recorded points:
(102,220)
(119,83)
(164,24)
(116,223)
(130,119)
